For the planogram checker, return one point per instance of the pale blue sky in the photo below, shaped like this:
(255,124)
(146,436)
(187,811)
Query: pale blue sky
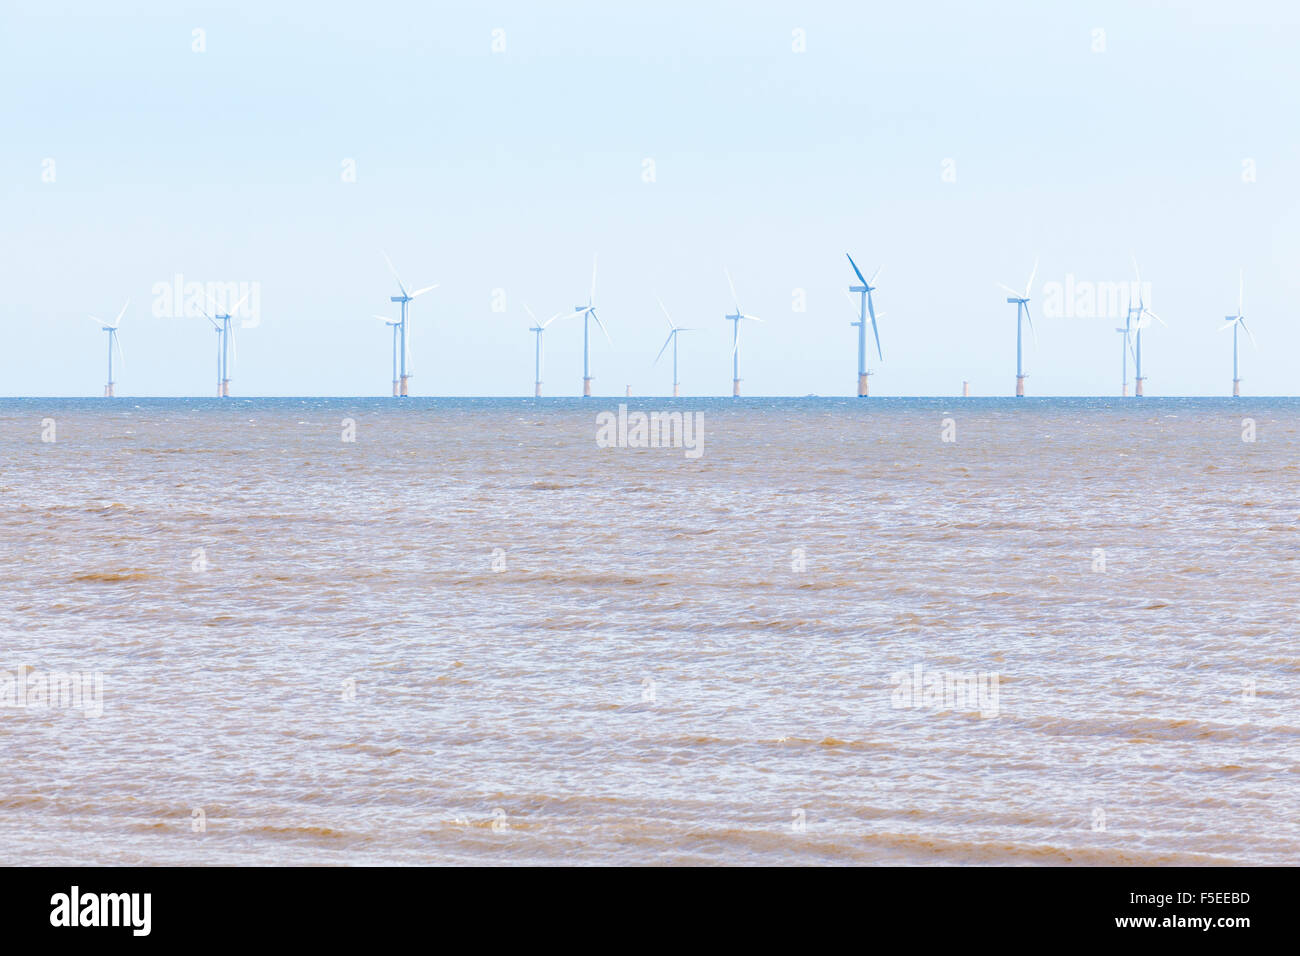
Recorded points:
(482,170)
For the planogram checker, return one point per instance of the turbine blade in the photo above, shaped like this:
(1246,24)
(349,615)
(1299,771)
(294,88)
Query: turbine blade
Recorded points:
(1032,330)
(118,320)
(874,330)
(734,298)
(857,270)
(736,347)
(665,311)
(1249,332)
(667,342)
(874,276)
(1227,325)
(235,308)
(234,344)
(1241,290)
(393,270)
(100,322)
(602,326)
(530,313)
(1007,288)
(592,297)
(427,288)
(1156,317)
(754,317)
(120,357)
(1030,284)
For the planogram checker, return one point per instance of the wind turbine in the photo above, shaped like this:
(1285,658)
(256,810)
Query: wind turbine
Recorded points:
(393,324)
(1144,317)
(539,353)
(1235,322)
(865,308)
(111,329)
(588,311)
(405,333)
(226,345)
(1022,309)
(735,318)
(672,339)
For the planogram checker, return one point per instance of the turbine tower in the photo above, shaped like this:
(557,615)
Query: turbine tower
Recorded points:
(1144,317)
(405,331)
(865,308)
(672,339)
(1022,310)
(393,324)
(111,329)
(1236,322)
(226,345)
(735,318)
(588,311)
(539,353)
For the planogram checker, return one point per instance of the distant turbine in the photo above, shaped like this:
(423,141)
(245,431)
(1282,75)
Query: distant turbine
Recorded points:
(539,353)
(1144,317)
(111,329)
(588,311)
(1022,308)
(672,338)
(1235,322)
(865,308)
(404,298)
(735,318)
(393,324)
(226,346)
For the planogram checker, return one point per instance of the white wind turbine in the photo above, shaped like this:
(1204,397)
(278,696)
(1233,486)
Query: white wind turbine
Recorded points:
(111,329)
(404,298)
(227,348)
(671,340)
(1022,310)
(735,318)
(1236,322)
(1144,317)
(588,311)
(539,355)
(393,324)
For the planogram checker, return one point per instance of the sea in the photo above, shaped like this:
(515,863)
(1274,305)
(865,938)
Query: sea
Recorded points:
(948,631)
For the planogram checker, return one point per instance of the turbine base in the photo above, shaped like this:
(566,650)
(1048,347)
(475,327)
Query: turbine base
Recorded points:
(735,388)
(586,388)
(1236,388)
(537,390)
(965,389)
(862,386)
(403,386)
(1020,386)
(1137,388)
(108,390)
(675,392)
(394,388)
(1123,390)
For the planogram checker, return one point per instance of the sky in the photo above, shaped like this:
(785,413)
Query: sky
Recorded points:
(497,148)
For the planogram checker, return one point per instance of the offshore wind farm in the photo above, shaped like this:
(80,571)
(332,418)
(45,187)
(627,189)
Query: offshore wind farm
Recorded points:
(650,434)
(1138,317)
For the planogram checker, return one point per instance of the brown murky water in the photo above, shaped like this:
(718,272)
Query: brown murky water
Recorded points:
(473,636)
